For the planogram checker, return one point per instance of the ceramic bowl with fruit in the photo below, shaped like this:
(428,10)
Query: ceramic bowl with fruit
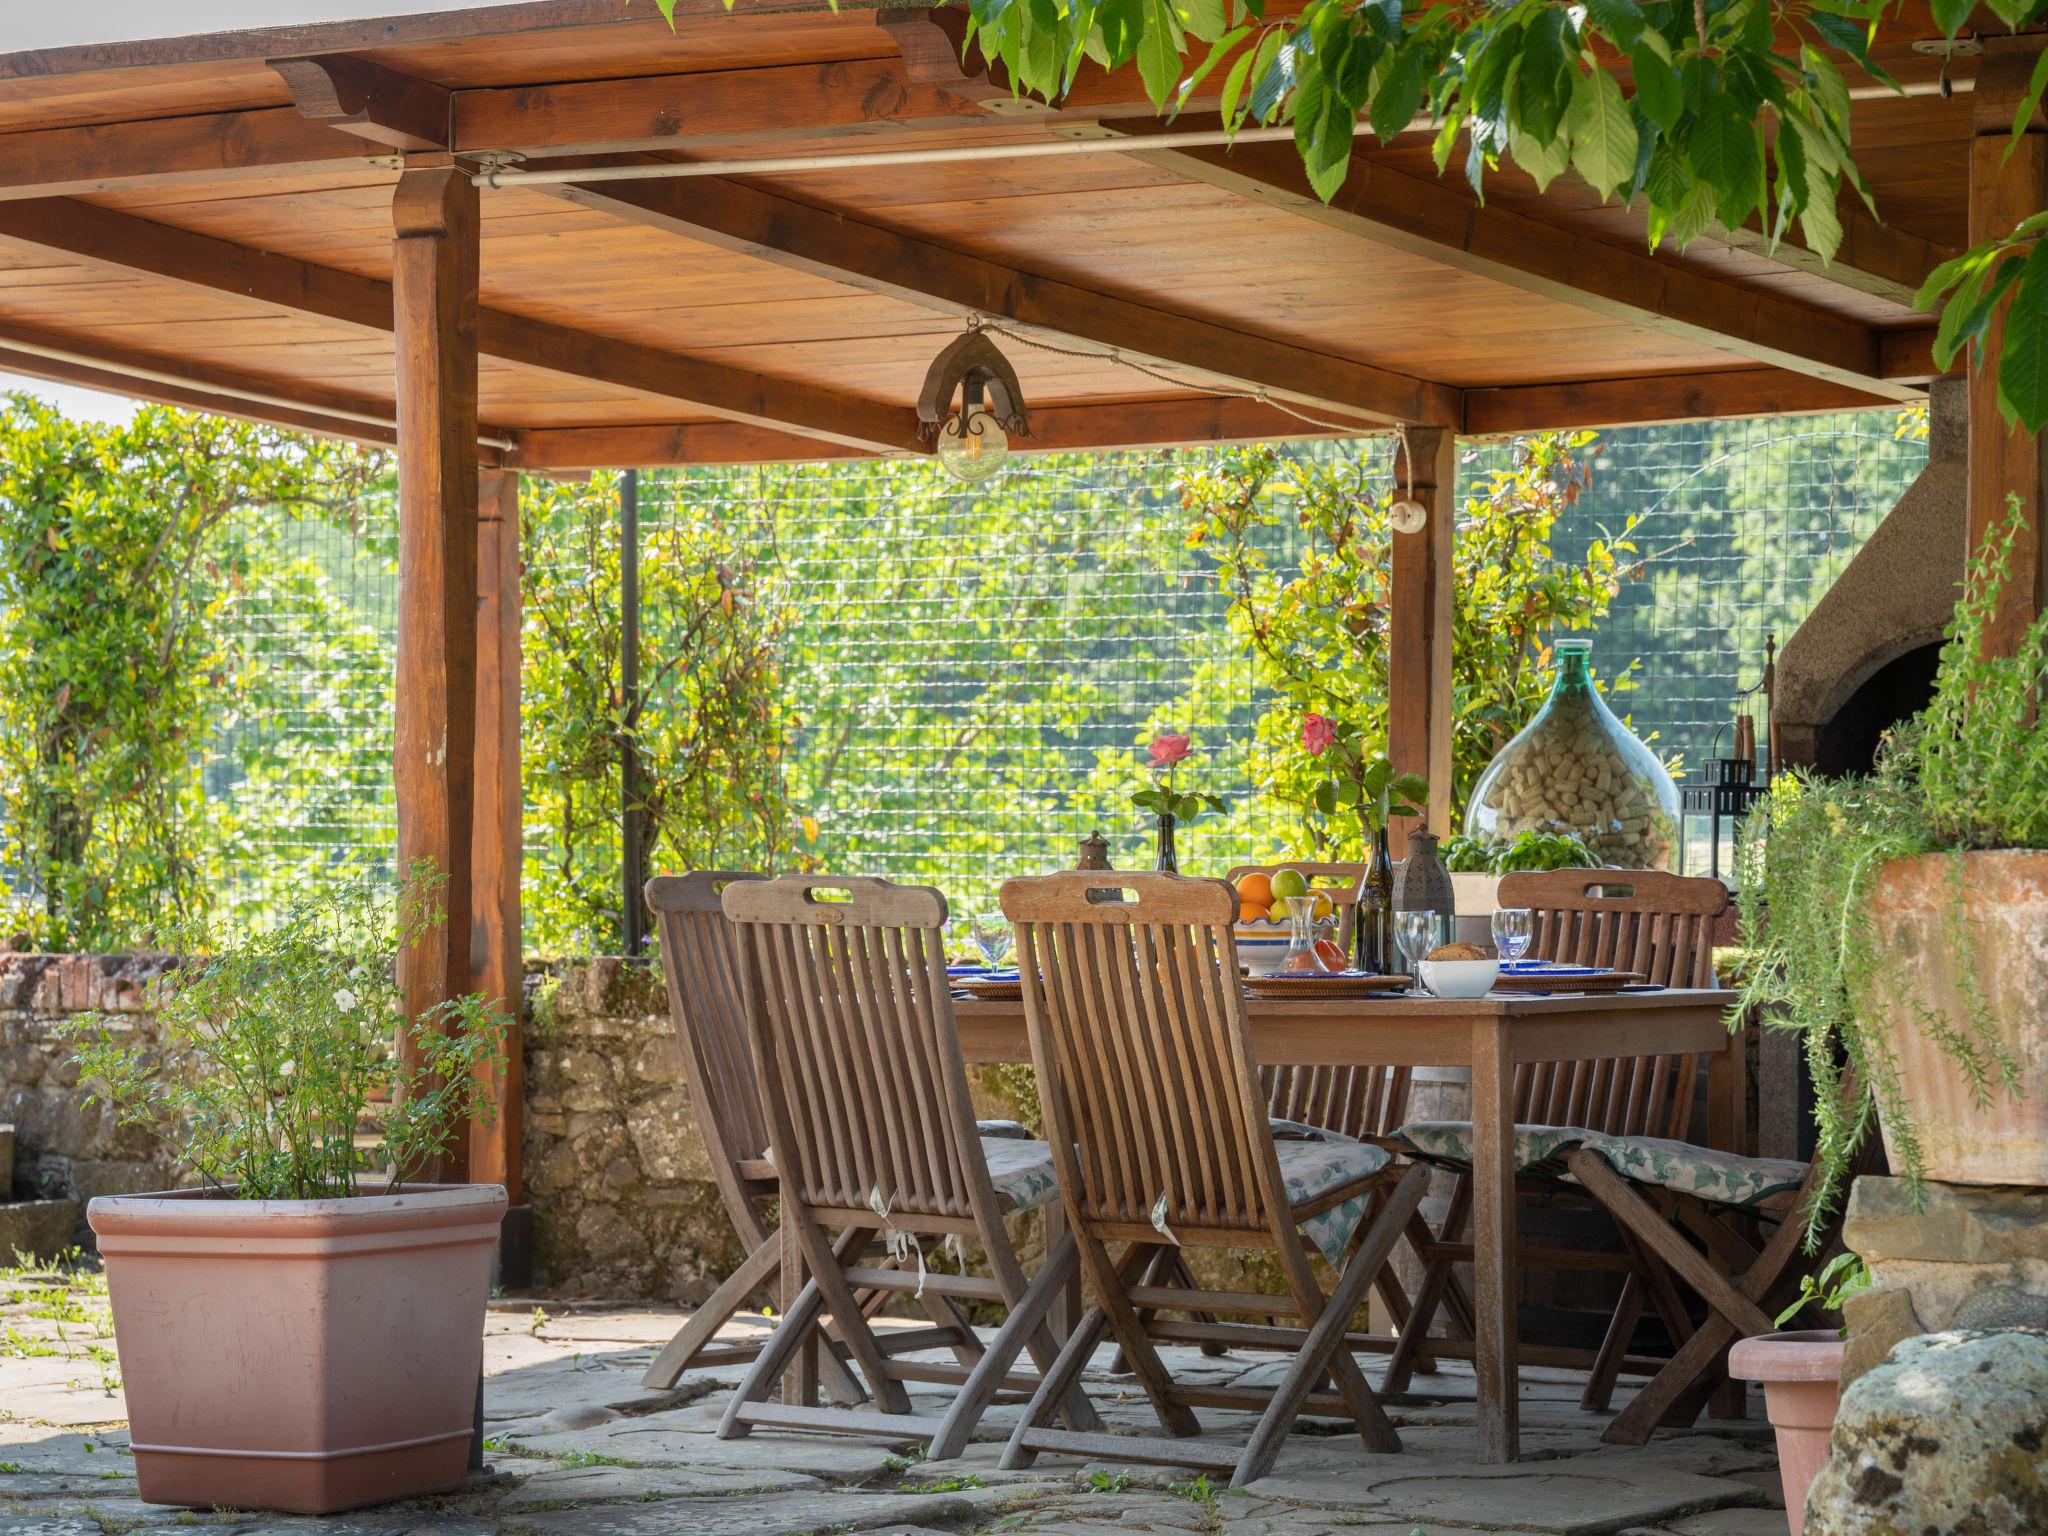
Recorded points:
(1268,908)
(1459,970)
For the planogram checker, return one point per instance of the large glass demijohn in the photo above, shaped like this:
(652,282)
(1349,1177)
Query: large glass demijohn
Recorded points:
(1576,768)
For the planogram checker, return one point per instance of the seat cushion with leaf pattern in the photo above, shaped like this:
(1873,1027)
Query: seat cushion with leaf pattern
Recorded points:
(1020,1169)
(1301,1130)
(1014,1130)
(1721,1178)
(1309,1169)
(1449,1143)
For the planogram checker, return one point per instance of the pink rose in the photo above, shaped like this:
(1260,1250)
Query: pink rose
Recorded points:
(1170,749)
(1318,734)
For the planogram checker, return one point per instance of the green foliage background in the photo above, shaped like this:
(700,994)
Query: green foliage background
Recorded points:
(851,665)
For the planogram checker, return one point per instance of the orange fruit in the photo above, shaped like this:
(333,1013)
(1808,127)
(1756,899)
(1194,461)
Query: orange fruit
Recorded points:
(1332,956)
(1255,890)
(1250,912)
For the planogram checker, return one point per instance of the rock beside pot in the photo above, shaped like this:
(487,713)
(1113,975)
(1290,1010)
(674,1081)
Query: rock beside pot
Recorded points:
(1948,1435)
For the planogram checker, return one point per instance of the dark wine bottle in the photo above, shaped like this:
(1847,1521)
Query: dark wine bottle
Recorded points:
(1373,944)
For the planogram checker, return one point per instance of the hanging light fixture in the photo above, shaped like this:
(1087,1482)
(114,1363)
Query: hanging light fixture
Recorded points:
(972,442)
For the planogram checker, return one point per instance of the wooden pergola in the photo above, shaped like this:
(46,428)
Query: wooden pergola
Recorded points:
(289,225)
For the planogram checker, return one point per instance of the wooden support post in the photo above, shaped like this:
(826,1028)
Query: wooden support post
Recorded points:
(1419,624)
(496,953)
(434,312)
(2008,182)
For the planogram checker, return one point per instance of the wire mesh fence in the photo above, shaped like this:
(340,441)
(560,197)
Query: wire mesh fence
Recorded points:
(958,678)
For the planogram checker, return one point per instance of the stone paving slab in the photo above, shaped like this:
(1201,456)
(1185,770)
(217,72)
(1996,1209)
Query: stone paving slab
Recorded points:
(580,1448)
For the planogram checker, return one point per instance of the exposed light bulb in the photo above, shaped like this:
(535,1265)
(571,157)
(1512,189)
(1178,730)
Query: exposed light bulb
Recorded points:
(973,445)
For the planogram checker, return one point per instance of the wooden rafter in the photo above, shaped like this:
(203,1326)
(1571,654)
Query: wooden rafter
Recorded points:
(1658,398)
(123,243)
(831,245)
(205,148)
(1186,421)
(1442,224)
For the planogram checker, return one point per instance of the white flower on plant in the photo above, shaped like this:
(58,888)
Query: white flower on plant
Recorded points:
(285,1070)
(345,1000)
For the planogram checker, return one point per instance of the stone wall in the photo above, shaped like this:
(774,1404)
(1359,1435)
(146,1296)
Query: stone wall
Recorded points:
(63,1147)
(622,1194)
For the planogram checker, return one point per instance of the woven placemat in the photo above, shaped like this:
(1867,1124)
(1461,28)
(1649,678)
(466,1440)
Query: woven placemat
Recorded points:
(1270,987)
(1599,981)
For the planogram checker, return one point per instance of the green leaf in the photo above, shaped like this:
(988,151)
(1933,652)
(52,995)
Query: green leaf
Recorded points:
(1233,86)
(1618,20)
(1273,77)
(1217,50)
(2024,113)
(1158,58)
(1829,88)
(1658,92)
(1397,95)
(1723,151)
(2012,13)
(1544,162)
(1948,274)
(1323,129)
(1967,315)
(1949,15)
(2023,362)
(1542,86)
(1843,33)
(1603,134)
(1201,19)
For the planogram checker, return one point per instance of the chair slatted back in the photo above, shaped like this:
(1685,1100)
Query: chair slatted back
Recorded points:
(700,960)
(1353,1101)
(1634,920)
(860,1061)
(1144,1059)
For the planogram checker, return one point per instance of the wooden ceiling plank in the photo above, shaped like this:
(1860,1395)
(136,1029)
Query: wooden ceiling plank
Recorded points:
(123,243)
(1662,398)
(1881,260)
(1435,220)
(829,245)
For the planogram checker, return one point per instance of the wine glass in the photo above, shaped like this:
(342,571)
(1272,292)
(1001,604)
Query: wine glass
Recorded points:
(1512,931)
(992,935)
(1418,933)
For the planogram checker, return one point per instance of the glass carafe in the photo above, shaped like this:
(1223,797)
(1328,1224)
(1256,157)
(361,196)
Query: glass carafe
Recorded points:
(1576,768)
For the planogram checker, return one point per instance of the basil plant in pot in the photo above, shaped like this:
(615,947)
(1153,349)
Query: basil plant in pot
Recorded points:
(297,1332)
(1898,919)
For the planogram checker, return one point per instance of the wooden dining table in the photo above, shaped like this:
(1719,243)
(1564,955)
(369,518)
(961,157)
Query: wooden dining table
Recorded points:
(1492,1036)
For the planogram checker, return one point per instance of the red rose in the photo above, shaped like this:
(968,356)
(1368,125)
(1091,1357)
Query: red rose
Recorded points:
(1170,749)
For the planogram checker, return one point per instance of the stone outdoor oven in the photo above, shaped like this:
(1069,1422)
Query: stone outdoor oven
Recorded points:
(1865,657)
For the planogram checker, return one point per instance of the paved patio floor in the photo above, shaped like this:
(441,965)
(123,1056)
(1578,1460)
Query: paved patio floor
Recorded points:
(579,1448)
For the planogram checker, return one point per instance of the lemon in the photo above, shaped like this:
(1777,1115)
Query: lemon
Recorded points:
(1321,907)
(1279,910)
(1290,883)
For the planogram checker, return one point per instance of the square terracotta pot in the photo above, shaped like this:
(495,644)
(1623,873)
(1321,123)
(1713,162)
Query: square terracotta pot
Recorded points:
(299,1355)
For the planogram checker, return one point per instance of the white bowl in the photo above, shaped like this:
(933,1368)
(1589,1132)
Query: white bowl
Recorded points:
(1262,950)
(1459,978)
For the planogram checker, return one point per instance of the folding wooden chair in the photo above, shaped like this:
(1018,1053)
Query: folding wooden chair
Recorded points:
(1659,1190)
(1158,1123)
(700,961)
(875,1139)
(1640,920)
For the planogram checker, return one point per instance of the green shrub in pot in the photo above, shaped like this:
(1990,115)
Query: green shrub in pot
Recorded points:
(1966,784)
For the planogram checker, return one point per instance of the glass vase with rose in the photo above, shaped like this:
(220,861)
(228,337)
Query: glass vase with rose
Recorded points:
(1171,806)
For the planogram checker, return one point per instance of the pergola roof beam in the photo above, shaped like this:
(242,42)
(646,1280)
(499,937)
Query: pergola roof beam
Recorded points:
(1436,221)
(830,245)
(123,243)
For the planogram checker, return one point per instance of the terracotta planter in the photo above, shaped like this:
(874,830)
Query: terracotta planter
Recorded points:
(301,1355)
(2001,899)
(1802,1377)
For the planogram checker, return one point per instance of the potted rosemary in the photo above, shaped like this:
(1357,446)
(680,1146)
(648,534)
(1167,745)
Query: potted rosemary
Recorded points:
(1896,919)
(297,1333)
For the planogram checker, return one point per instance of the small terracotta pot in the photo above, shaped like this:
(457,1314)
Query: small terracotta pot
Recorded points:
(1802,1377)
(1998,901)
(299,1355)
